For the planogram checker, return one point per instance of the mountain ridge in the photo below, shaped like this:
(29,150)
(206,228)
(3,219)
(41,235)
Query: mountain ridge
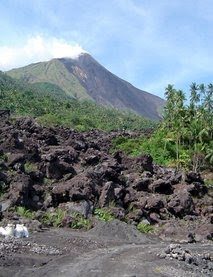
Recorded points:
(84,78)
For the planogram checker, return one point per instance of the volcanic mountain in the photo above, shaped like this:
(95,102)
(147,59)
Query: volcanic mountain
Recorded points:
(84,78)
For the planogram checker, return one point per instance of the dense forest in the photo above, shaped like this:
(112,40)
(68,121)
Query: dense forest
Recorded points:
(184,138)
(51,106)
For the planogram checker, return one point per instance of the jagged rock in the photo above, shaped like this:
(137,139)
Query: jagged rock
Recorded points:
(21,190)
(57,169)
(91,157)
(12,159)
(146,162)
(134,216)
(154,218)
(83,207)
(107,194)
(154,204)
(79,187)
(197,189)
(191,177)
(5,205)
(181,204)
(3,177)
(118,212)
(161,186)
(141,184)
(74,167)
(119,193)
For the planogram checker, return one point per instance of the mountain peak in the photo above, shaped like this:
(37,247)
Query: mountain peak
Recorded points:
(75,56)
(83,77)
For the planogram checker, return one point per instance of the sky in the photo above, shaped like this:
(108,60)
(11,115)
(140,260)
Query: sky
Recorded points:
(149,43)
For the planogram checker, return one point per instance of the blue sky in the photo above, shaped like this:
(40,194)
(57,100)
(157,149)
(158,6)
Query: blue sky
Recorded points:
(149,43)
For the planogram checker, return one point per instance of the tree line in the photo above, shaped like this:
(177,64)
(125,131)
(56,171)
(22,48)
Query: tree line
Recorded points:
(189,124)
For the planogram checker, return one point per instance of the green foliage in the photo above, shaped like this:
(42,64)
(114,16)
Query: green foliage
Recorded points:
(29,167)
(104,214)
(54,218)
(162,151)
(3,157)
(145,228)
(185,137)
(80,222)
(50,109)
(3,188)
(190,127)
(24,212)
(209,152)
(209,183)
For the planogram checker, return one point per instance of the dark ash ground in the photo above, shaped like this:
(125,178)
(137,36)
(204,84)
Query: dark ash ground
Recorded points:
(62,252)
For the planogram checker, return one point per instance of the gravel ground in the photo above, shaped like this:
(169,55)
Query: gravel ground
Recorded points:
(109,250)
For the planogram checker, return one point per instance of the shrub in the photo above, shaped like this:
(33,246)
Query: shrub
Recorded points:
(145,228)
(80,222)
(54,218)
(29,167)
(209,183)
(104,214)
(24,212)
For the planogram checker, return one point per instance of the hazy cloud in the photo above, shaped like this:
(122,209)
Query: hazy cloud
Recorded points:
(148,43)
(37,48)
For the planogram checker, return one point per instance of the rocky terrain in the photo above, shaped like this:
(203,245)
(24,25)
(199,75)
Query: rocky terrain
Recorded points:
(44,169)
(63,252)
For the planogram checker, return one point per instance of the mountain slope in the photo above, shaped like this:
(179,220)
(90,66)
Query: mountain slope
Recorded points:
(51,106)
(85,78)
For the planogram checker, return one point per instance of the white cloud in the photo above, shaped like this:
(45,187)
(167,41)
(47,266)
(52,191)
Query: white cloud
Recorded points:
(37,49)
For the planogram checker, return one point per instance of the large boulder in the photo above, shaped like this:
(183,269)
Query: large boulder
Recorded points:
(161,186)
(56,169)
(192,176)
(20,192)
(154,204)
(141,184)
(181,204)
(80,187)
(145,161)
(197,189)
(82,207)
(15,158)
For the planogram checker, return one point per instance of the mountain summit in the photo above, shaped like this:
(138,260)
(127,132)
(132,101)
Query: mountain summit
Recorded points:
(85,78)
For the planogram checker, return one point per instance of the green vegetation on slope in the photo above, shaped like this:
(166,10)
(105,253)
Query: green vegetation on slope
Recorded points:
(53,110)
(185,137)
(163,153)
(53,72)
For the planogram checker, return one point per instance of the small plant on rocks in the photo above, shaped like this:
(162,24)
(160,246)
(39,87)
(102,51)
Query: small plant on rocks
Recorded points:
(104,214)
(54,218)
(24,212)
(145,228)
(80,222)
(29,167)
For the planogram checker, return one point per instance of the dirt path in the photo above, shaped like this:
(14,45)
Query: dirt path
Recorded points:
(61,252)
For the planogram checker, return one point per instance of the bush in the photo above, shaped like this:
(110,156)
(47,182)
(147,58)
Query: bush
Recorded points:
(24,212)
(162,151)
(54,218)
(80,222)
(29,167)
(59,217)
(104,214)
(145,228)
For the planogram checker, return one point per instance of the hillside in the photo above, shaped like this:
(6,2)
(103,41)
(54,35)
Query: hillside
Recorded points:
(52,106)
(84,78)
